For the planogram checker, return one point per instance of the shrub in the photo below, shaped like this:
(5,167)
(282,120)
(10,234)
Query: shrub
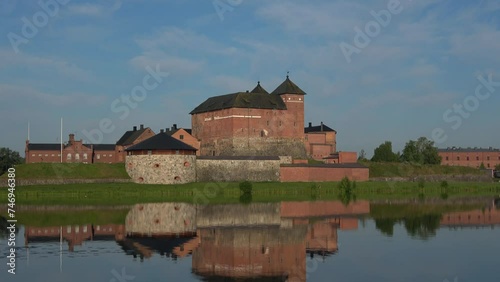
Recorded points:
(444,184)
(246,187)
(421,183)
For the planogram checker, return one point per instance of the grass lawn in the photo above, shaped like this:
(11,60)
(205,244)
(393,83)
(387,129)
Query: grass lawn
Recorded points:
(410,170)
(69,171)
(220,193)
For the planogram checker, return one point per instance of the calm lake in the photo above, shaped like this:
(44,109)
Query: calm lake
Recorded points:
(432,240)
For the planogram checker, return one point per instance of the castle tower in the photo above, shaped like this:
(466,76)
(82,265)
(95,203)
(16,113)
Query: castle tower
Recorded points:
(293,97)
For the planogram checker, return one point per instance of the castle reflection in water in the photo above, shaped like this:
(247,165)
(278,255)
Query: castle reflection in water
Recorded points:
(259,240)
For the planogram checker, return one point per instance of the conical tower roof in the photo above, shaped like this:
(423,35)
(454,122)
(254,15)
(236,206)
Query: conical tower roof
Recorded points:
(288,87)
(259,89)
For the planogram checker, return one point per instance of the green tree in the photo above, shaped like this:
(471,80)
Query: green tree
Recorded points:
(384,153)
(497,167)
(421,151)
(8,158)
(362,155)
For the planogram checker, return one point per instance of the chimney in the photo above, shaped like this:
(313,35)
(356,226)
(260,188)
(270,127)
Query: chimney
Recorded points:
(135,128)
(71,138)
(175,125)
(321,126)
(161,131)
(142,126)
(310,124)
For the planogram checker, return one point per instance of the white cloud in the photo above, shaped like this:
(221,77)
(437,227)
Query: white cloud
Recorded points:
(95,10)
(172,64)
(42,64)
(230,84)
(18,92)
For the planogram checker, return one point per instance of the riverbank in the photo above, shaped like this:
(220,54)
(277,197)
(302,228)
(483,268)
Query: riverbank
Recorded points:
(229,192)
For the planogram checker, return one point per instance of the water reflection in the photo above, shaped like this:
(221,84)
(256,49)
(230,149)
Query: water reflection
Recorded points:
(263,241)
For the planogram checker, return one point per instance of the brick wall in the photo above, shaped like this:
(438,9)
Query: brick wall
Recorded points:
(305,173)
(471,159)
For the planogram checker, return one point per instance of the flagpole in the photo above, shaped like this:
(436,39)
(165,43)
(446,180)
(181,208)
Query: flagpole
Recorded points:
(61,140)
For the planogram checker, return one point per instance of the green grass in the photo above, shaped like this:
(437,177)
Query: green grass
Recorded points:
(409,170)
(219,193)
(70,171)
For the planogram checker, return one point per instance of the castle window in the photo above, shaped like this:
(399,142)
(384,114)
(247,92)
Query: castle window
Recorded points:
(488,158)
(84,156)
(488,165)
(77,156)
(458,158)
(32,155)
(46,155)
(280,122)
(176,152)
(98,156)
(268,125)
(104,155)
(477,158)
(39,155)
(110,155)
(68,156)
(52,155)
(150,152)
(446,158)
(181,137)
(467,158)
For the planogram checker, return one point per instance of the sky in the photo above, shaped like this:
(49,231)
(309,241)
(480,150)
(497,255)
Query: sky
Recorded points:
(372,70)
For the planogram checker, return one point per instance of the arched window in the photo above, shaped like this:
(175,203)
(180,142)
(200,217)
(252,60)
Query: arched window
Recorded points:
(84,156)
(77,156)
(69,157)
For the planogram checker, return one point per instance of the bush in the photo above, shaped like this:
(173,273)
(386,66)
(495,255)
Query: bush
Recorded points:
(246,187)
(444,184)
(421,183)
(346,190)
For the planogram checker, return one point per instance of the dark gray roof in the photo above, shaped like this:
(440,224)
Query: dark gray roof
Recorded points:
(317,128)
(472,150)
(130,136)
(161,141)
(288,87)
(44,147)
(259,89)
(241,100)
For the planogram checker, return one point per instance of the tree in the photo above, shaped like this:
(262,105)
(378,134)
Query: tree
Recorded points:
(384,153)
(497,167)
(421,151)
(362,155)
(8,158)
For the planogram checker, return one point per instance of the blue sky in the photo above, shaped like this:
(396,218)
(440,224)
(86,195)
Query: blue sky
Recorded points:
(418,68)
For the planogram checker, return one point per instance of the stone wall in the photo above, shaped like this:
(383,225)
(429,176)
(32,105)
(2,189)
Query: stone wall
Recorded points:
(161,169)
(162,218)
(254,146)
(237,169)
(256,214)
